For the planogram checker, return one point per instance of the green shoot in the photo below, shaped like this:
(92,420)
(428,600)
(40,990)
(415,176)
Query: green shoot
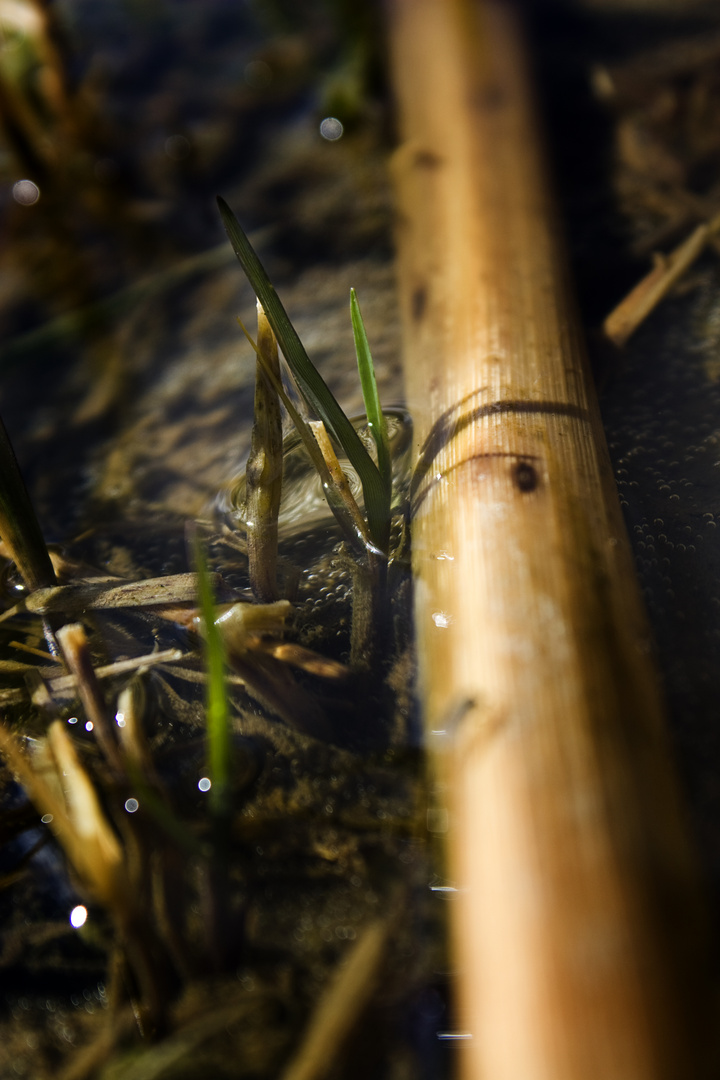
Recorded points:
(346,515)
(375,415)
(216,701)
(19,527)
(310,383)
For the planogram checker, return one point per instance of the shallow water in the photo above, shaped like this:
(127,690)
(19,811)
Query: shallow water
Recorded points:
(130,421)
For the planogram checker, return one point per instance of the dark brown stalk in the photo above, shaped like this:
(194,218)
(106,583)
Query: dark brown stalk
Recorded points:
(76,652)
(264,470)
(19,526)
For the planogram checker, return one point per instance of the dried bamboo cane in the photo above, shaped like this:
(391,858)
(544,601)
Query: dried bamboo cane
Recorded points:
(578,933)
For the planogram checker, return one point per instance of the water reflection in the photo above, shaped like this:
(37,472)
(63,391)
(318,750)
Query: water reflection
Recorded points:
(78,916)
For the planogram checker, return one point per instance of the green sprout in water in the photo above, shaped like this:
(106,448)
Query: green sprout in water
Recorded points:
(217,706)
(313,387)
(373,410)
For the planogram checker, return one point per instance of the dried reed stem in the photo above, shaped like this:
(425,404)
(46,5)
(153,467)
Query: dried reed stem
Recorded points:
(75,647)
(263,474)
(624,320)
(578,943)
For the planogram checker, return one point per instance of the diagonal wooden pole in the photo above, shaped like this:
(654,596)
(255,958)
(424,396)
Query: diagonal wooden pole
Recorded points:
(577,926)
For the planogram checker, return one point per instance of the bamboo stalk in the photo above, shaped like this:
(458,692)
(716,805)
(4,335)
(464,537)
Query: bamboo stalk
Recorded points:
(578,933)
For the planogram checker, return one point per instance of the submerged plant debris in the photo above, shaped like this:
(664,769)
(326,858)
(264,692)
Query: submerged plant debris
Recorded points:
(313,946)
(221,840)
(210,864)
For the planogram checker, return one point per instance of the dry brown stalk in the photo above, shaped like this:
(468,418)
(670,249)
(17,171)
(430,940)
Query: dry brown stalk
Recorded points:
(578,933)
(624,320)
(110,593)
(339,480)
(263,475)
(75,647)
(343,1001)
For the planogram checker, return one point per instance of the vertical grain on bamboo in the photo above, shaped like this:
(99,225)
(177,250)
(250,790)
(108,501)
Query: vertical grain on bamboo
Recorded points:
(577,927)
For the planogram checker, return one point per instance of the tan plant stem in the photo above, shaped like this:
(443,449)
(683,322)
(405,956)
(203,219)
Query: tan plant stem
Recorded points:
(339,480)
(75,649)
(369,574)
(264,469)
(347,995)
(577,931)
(624,320)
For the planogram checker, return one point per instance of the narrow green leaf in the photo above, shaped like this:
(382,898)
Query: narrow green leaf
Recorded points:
(310,382)
(375,415)
(217,708)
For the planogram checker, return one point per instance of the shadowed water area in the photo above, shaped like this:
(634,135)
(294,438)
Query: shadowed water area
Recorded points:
(127,390)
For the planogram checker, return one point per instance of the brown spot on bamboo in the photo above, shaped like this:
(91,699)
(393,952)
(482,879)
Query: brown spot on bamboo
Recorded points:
(419,303)
(525,476)
(426,159)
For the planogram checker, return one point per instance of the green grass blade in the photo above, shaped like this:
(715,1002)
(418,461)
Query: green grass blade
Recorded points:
(375,415)
(216,700)
(310,382)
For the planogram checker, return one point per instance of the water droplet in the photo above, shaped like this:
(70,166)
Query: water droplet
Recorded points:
(78,918)
(26,192)
(331,129)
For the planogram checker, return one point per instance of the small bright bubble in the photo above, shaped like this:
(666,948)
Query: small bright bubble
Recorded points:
(72,719)
(131,805)
(25,192)
(331,129)
(89,725)
(441,619)
(46,819)
(78,916)
(205,784)
(120,719)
